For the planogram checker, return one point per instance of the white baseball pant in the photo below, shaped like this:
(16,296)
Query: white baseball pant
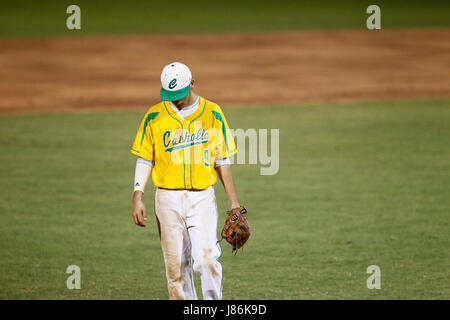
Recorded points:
(187,222)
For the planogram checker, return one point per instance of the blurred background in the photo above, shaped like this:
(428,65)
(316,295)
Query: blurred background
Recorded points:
(364,159)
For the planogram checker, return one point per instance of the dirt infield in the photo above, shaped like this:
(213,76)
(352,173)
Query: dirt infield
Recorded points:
(231,69)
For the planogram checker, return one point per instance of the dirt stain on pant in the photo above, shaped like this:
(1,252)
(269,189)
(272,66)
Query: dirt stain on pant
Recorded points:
(210,261)
(174,279)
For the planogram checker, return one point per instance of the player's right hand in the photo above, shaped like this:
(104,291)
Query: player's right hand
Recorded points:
(139,214)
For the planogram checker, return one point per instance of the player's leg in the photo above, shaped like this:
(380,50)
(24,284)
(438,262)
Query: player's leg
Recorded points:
(186,269)
(202,226)
(175,244)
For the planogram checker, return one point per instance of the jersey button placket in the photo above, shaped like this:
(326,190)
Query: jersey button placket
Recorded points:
(188,169)
(187,157)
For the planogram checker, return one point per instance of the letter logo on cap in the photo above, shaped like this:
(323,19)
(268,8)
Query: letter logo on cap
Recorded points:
(173,84)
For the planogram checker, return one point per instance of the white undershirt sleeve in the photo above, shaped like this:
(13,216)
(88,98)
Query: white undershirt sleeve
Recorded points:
(142,173)
(222,162)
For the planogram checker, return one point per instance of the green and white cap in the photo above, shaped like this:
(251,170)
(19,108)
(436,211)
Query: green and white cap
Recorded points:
(175,81)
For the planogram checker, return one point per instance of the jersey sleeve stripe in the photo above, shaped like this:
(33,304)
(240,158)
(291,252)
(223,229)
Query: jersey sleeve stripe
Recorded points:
(218,116)
(151,116)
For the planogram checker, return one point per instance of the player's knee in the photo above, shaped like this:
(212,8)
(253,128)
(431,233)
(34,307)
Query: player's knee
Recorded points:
(199,267)
(208,266)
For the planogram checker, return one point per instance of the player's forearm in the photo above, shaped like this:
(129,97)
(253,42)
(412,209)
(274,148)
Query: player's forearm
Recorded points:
(141,176)
(225,175)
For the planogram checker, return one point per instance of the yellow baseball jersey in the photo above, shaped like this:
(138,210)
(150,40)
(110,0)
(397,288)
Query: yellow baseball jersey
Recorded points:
(184,151)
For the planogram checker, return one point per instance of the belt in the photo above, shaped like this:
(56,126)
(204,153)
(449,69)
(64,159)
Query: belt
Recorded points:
(183,189)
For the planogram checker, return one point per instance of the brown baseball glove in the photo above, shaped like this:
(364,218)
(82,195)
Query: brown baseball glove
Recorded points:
(236,230)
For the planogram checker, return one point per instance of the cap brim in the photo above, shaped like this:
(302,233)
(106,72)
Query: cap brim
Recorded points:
(174,95)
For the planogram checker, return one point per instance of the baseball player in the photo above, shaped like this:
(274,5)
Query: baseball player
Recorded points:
(184,142)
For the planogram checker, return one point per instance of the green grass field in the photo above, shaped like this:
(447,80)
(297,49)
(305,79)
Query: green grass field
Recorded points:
(359,184)
(45,18)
